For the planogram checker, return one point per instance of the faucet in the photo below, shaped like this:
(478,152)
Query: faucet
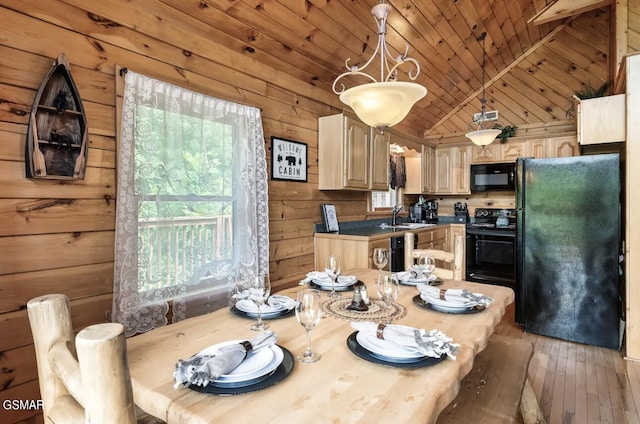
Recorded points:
(396,210)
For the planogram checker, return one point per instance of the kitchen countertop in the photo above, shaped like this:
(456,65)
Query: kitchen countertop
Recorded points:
(376,232)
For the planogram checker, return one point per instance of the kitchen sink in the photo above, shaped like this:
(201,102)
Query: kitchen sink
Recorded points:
(408,226)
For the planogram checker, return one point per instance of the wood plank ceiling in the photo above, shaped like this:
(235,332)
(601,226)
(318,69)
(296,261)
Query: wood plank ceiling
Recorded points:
(527,66)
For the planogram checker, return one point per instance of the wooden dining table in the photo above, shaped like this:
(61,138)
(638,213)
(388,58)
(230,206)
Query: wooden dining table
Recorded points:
(340,388)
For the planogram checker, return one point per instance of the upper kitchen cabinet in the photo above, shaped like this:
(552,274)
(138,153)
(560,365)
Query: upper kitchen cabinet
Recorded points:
(420,171)
(452,169)
(428,166)
(500,152)
(351,155)
(562,147)
(601,119)
(513,150)
(379,160)
(484,154)
(536,148)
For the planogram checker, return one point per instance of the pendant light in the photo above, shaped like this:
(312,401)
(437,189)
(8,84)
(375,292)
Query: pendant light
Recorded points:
(383,103)
(482,136)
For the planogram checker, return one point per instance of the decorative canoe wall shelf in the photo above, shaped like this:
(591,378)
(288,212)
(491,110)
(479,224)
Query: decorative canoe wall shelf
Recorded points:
(57,137)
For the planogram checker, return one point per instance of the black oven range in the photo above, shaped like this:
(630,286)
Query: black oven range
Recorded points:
(491,247)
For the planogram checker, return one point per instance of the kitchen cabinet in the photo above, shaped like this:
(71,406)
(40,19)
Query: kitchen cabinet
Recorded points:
(601,120)
(434,239)
(452,168)
(379,161)
(489,153)
(562,147)
(443,171)
(356,250)
(461,169)
(428,169)
(351,155)
(420,172)
(510,151)
(536,148)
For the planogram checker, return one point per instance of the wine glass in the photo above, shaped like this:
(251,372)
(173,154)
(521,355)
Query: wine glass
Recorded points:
(332,268)
(426,264)
(259,290)
(388,290)
(380,258)
(308,313)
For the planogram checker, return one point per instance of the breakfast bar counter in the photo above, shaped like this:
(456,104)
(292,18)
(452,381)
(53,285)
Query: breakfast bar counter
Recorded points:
(340,387)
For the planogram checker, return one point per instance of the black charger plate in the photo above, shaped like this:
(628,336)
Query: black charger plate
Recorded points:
(423,304)
(282,372)
(244,314)
(359,350)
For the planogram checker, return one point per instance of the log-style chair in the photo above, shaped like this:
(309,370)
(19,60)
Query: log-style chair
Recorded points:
(497,390)
(455,258)
(94,388)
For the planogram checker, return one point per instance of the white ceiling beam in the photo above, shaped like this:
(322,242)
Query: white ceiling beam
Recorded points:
(561,9)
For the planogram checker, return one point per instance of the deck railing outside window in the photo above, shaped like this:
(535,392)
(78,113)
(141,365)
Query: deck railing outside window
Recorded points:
(175,247)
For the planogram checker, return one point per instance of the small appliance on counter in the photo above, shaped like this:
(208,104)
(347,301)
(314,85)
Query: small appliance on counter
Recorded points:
(461,212)
(417,213)
(431,212)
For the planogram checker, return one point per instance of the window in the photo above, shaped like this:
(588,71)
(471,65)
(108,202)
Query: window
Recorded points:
(383,201)
(191,205)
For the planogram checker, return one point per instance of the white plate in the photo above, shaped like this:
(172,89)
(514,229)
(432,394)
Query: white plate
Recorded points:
(256,365)
(446,305)
(342,282)
(386,348)
(247,306)
(412,282)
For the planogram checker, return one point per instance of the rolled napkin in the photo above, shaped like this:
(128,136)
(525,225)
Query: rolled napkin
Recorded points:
(413,276)
(315,275)
(433,343)
(281,302)
(455,297)
(203,369)
(275,303)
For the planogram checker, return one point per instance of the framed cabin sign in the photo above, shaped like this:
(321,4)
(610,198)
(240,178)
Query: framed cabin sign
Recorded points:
(288,160)
(57,136)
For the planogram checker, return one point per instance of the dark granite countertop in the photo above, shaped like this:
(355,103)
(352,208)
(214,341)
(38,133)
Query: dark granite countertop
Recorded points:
(372,228)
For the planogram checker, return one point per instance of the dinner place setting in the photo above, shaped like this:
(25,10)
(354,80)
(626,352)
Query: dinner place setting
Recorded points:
(237,366)
(452,301)
(255,301)
(331,280)
(399,345)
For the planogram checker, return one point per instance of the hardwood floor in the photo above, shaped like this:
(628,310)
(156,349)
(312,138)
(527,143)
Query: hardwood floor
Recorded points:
(579,384)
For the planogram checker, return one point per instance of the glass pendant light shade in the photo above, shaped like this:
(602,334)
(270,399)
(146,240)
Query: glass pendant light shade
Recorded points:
(482,137)
(383,104)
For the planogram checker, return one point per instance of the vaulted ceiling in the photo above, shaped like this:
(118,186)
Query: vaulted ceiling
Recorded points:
(532,69)
(539,52)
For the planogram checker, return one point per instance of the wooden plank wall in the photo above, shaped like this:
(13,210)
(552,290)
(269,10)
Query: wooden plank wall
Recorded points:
(57,236)
(633,25)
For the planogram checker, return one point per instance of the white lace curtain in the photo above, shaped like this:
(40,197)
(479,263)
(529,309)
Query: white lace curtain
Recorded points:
(191,202)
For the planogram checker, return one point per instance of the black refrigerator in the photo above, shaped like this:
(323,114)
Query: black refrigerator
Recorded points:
(568,246)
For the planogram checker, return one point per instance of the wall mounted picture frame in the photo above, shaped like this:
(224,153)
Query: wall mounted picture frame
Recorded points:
(288,160)
(330,218)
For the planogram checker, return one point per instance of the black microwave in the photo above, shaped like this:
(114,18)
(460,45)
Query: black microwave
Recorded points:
(493,176)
